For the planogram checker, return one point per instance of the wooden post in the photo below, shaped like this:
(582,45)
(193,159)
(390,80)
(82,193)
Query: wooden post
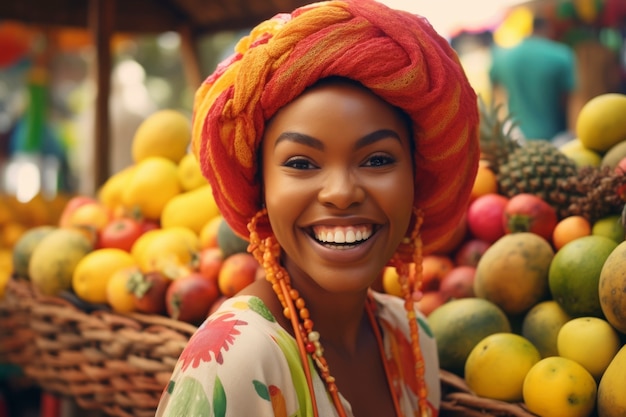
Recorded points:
(101,21)
(190,58)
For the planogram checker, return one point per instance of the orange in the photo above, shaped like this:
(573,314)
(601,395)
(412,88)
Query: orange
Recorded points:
(485,182)
(118,294)
(568,229)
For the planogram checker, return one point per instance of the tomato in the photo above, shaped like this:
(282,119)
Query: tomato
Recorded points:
(120,233)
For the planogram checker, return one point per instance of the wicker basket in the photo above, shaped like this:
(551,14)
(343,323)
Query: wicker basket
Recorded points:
(17,345)
(118,364)
(458,400)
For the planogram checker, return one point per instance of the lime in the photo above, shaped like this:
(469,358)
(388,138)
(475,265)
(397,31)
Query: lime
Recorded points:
(609,226)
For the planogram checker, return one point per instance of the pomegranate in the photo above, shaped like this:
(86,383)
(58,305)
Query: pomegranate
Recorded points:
(484,217)
(190,297)
(529,213)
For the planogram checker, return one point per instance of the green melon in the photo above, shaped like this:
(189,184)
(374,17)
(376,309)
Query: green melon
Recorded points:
(23,248)
(460,324)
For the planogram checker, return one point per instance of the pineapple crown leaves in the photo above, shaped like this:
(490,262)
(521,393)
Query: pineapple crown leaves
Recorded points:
(491,126)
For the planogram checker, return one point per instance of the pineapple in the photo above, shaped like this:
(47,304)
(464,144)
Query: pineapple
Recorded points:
(535,167)
(538,167)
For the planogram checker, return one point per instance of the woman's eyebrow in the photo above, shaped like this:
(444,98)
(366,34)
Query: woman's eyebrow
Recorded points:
(299,138)
(376,136)
(317,144)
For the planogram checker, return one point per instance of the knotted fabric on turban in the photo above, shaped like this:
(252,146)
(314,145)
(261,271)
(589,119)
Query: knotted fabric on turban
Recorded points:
(396,54)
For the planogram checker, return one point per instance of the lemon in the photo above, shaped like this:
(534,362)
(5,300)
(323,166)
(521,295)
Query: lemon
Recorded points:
(391,281)
(165,133)
(93,271)
(111,192)
(609,226)
(167,250)
(541,326)
(191,209)
(590,341)
(600,122)
(558,387)
(189,173)
(496,367)
(153,183)
(580,154)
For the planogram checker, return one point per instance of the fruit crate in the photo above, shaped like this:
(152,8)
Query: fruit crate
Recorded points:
(115,363)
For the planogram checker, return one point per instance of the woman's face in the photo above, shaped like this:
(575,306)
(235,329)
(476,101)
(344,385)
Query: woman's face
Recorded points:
(338,185)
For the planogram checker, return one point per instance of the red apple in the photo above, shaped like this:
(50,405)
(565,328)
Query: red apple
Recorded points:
(529,213)
(458,283)
(470,252)
(484,217)
(430,301)
(190,297)
(211,261)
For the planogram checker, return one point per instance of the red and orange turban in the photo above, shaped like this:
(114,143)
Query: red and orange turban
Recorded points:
(395,54)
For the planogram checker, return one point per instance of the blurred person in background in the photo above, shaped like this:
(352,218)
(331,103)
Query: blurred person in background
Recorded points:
(536,79)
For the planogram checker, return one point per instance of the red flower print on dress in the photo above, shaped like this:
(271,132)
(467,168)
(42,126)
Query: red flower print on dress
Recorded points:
(217,335)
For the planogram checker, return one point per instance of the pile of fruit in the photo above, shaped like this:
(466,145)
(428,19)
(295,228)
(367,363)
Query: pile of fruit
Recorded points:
(528,300)
(17,217)
(152,241)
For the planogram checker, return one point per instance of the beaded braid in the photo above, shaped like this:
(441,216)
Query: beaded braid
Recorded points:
(410,277)
(267,251)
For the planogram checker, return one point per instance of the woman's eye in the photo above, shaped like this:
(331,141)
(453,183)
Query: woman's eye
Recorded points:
(379,160)
(299,163)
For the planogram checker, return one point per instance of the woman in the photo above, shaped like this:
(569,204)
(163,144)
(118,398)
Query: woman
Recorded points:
(338,139)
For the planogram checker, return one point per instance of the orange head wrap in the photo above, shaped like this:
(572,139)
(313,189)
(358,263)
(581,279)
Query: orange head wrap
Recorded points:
(395,54)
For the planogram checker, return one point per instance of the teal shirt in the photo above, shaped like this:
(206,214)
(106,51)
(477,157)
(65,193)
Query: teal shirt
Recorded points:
(537,75)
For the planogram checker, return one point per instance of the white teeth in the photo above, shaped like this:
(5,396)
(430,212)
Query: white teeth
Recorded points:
(343,235)
(340,237)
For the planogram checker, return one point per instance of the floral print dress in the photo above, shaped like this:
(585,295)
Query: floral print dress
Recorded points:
(241,362)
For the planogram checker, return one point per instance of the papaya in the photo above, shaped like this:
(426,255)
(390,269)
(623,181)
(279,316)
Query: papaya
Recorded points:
(460,324)
(24,248)
(54,259)
(513,272)
(612,288)
(611,399)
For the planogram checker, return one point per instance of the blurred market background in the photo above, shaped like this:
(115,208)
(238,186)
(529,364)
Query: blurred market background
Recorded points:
(77,77)
(53,68)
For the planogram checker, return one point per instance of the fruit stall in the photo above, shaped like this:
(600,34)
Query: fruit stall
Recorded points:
(99,293)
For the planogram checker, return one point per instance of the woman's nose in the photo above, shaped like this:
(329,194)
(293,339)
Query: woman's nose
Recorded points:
(341,189)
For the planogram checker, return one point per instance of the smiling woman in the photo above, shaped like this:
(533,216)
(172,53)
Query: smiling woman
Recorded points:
(339,139)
